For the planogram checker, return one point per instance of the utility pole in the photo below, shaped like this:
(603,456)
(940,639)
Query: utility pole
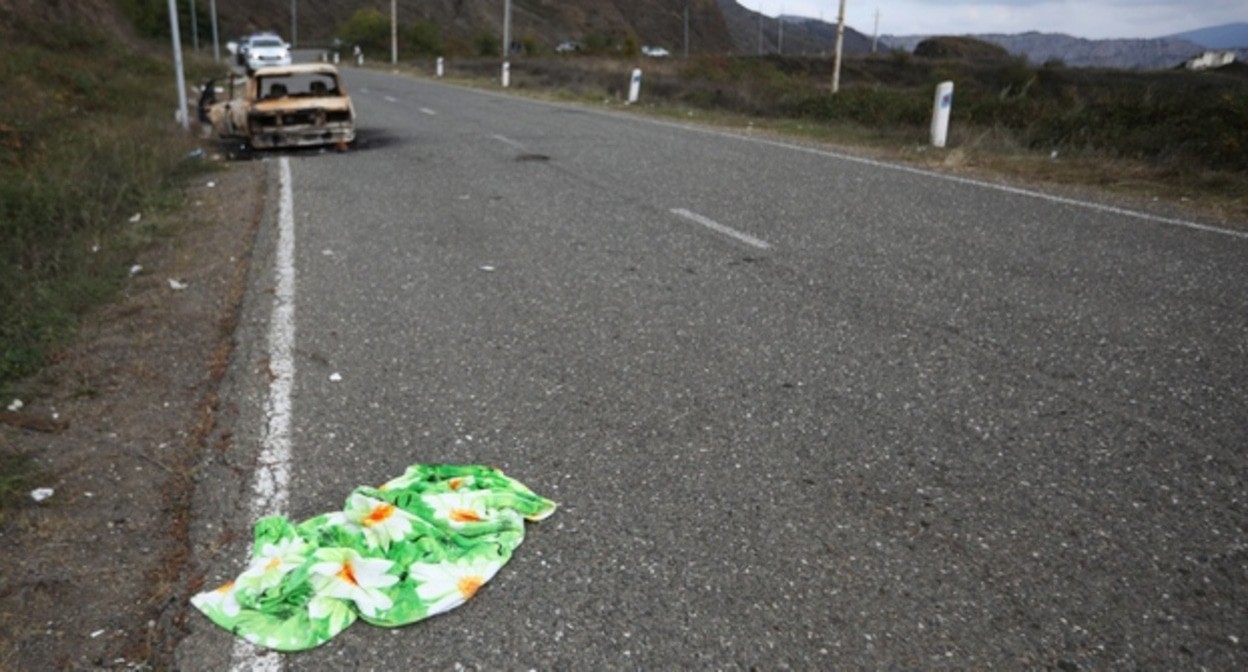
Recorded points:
(506,43)
(686,29)
(216,41)
(780,32)
(840,43)
(760,29)
(875,38)
(183,114)
(506,30)
(294,23)
(394,32)
(194,27)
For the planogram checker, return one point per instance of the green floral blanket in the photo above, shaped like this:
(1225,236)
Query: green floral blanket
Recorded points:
(413,548)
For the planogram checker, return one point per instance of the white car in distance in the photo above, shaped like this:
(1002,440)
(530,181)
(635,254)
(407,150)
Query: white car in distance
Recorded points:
(266,51)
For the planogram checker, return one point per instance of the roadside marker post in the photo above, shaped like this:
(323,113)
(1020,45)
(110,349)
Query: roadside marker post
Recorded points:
(634,88)
(441,67)
(506,74)
(941,108)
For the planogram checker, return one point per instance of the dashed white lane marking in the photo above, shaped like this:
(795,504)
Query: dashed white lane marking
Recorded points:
(509,142)
(716,226)
(391,99)
(425,110)
(897,167)
(1017,191)
(271,492)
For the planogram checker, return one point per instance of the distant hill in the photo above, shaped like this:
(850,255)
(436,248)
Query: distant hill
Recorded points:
(1160,53)
(801,35)
(1226,36)
(546,22)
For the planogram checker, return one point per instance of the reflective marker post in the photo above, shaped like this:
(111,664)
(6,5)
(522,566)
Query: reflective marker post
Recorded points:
(940,113)
(441,66)
(634,88)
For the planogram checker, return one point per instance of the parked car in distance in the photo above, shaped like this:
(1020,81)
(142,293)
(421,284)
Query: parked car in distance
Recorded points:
(239,47)
(288,106)
(265,51)
(655,52)
(568,47)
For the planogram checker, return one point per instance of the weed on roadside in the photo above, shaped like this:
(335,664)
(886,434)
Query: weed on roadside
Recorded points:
(87,154)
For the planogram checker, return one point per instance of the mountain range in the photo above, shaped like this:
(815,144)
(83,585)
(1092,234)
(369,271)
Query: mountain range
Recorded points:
(1226,36)
(1156,53)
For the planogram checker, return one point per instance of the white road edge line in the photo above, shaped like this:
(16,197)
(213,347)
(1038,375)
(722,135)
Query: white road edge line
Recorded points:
(271,493)
(1099,207)
(425,110)
(716,226)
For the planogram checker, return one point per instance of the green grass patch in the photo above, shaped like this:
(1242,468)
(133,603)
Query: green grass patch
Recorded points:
(87,140)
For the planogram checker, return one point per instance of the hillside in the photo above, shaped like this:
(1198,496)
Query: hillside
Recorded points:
(546,22)
(101,13)
(1160,53)
(801,35)
(1225,36)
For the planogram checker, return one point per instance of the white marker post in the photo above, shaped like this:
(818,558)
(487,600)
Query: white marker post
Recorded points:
(634,88)
(441,67)
(506,74)
(940,113)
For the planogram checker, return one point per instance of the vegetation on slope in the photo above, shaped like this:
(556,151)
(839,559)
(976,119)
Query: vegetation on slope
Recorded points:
(87,140)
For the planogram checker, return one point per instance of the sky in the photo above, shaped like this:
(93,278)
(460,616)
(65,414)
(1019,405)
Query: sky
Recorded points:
(1093,19)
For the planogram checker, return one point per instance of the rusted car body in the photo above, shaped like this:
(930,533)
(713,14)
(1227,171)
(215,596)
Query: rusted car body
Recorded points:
(287,106)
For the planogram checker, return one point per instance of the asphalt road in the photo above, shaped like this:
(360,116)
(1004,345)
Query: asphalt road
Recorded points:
(799,411)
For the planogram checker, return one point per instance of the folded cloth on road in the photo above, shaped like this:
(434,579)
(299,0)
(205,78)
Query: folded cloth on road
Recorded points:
(413,548)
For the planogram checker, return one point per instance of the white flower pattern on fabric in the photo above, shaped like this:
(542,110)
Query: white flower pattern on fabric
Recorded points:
(382,522)
(346,575)
(222,599)
(444,586)
(274,562)
(459,508)
(424,545)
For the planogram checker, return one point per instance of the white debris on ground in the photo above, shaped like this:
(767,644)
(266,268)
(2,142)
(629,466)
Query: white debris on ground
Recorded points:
(177,286)
(40,494)
(335,377)
(15,405)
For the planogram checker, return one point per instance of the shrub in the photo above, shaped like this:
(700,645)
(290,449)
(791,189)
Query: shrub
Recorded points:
(368,28)
(424,38)
(488,44)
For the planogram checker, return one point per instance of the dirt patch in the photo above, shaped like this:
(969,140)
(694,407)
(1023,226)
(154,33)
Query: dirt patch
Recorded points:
(116,426)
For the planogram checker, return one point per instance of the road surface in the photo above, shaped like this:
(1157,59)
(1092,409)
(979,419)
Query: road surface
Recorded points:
(799,410)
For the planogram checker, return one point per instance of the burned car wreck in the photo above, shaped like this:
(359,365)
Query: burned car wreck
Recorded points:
(287,106)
